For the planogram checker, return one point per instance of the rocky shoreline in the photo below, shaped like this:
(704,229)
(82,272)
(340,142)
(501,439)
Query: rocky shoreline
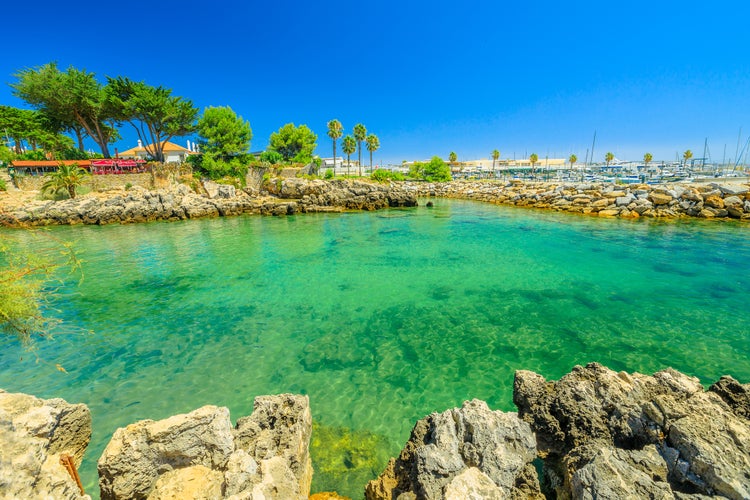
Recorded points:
(707,201)
(280,197)
(297,195)
(598,434)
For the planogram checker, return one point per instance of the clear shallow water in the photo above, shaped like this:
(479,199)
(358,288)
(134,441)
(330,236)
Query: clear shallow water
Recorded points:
(381,318)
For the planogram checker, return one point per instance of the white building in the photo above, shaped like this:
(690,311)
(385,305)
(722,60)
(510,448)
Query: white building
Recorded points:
(172,152)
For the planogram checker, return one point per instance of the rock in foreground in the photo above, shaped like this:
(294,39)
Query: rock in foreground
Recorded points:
(35,435)
(604,434)
(467,452)
(200,455)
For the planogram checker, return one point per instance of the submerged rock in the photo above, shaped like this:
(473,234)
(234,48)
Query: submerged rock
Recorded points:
(603,433)
(36,436)
(470,450)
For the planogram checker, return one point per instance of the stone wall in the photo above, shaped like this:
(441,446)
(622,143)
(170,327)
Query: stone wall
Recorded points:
(94,182)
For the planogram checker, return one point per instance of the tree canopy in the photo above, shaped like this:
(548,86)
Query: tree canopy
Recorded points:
(154,112)
(434,171)
(335,130)
(225,142)
(349,146)
(373,144)
(294,143)
(609,157)
(74,98)
(360,134)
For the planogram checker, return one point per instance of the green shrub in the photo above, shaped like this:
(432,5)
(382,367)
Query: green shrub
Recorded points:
(272,157)
(3,187)
(381,175)
(128,185)
(434,171)
(329,174)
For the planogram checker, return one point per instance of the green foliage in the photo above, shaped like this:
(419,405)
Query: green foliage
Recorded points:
(573,159)
(271,157)
(3,186)
(360,135)
(155,114)
(217,169)
(647,158)
(533,159)
(382,175)
(335,130)
(128,186)
(74,154)
(6,155)
(73,99)
(687,155)
(609,157)
(223,133)
(25,284)
(452,157)
(349,146)
(294,143)
(225,142)
(373,144)
(67,178)
(37,155)
(434,171)
(328,174)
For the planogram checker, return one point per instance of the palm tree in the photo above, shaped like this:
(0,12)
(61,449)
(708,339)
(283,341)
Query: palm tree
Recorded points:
(335,130)
(360,134)
(452,157)
(373,144)
(495,156)
(572,159)
(348,145)
(66,178)
(609,157)
(533,159)
(686,156)
(647,159)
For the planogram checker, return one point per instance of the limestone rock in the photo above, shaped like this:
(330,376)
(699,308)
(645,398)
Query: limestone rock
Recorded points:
(659,198)
(732,189)
(613,473)
(34,434)
(138,454)
(473,484)
(277,436)
(703,441)
(444,446)
(734,394)
(190,483)
(199,455)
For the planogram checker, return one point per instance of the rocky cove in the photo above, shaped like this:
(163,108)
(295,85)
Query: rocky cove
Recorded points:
(595,433)
(288,196)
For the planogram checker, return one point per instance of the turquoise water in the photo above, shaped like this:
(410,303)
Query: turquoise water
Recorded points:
(381,318)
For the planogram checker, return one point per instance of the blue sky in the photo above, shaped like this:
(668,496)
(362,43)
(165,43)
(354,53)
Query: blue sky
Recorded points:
(426,77)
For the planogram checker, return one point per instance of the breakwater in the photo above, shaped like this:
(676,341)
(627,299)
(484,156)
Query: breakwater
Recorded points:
(708,201)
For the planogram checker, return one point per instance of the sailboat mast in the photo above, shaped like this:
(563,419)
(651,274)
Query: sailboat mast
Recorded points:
(592,148)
